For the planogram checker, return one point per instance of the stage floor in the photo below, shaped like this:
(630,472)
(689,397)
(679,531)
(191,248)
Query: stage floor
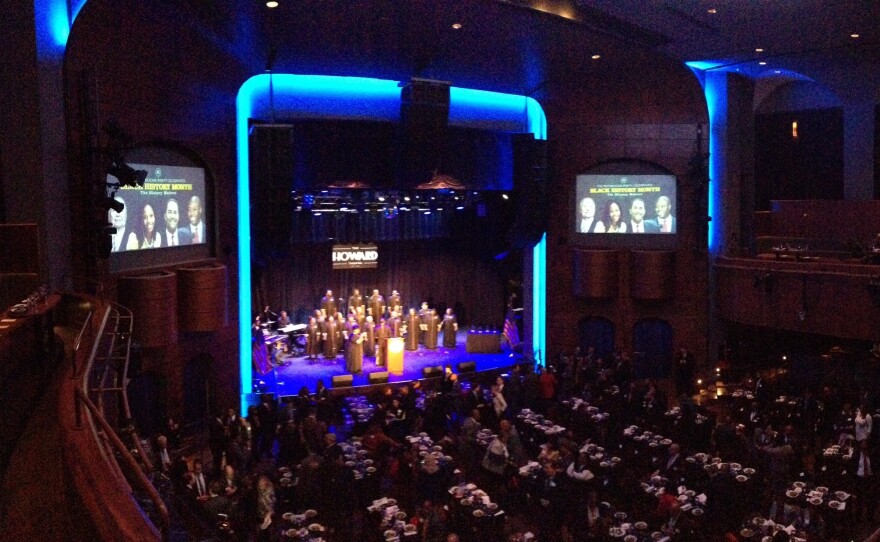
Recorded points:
(287,380)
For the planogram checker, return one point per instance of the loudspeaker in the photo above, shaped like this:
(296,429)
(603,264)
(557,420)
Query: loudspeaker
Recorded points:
(342,381)
(467,367)
(424,116)
(271,180)
(379,377)
(530,179)
(432,372)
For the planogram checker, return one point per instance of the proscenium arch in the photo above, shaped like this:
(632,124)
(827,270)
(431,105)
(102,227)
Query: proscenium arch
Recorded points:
(321,96)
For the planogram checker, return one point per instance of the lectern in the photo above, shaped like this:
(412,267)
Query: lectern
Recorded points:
(395,355)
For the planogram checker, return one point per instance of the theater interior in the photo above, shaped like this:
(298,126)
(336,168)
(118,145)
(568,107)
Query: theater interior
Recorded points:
(474,155)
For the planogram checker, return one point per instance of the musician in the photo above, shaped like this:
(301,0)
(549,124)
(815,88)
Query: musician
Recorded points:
(283,320)
(340,332)
(355,300)
(376,305)
(450,326)
(412,330)
(394,303)
(361,315)
(328,304)
(383,333)
(368,330)
(313,338)
(268,316)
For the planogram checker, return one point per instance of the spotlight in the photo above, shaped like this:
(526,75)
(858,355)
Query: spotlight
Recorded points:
(308,201)
(127,175)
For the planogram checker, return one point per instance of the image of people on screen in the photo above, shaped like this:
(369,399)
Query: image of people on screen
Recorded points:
(175,235)
(664,220)
(149,236)
(637,221)
(587,222)
(613,217)
(123,239)
(195,212)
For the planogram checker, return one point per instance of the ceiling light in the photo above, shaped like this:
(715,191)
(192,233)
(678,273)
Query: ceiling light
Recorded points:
(762,63)
(596,57)
(456,26)
(854,36)
(271,4)
(777,71)
(713,11)
(759,49)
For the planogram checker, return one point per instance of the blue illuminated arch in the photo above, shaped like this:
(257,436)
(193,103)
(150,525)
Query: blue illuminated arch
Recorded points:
(311,96)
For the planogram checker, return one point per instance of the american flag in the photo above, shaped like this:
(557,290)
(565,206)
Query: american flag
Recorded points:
(510,330)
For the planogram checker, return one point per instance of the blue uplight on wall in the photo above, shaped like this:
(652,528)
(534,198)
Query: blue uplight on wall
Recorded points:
(715,90)
(312,96)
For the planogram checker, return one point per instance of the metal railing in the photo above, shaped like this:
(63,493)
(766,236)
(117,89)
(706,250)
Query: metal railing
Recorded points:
(107,368)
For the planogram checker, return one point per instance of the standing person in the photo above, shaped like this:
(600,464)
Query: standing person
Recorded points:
(424,312)
(328,304)
(376,305)
(432,328)
(383,333)
(450,327)
(354,351)
(355,300)
(313,339)
(412,330)
(587,222)
(684,372)
(547,385)
(175,235)
(863,424)
(265,507)
(369,334)
(395,324)
(331,345)
(614,218)
(394,302)
(194,212)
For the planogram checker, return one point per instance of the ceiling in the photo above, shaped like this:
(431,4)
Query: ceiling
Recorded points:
(535,47)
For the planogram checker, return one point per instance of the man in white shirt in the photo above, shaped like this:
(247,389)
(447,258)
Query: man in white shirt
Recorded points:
(194,212)
(638,224)
(118,221)
(175,236)
(588,222)
(665,221)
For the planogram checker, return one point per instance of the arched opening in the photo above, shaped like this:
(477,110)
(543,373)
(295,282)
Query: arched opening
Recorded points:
(652,347)
(146,393)
(599,333)
(197,388)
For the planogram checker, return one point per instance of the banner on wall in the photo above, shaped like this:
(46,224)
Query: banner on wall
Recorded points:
(355,256)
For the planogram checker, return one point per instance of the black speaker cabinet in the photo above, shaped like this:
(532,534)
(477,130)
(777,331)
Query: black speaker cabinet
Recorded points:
(467,367)
(432,372)
(342,381)
(379,377)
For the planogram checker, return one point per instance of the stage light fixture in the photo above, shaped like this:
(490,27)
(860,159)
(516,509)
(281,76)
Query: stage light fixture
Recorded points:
(127,175)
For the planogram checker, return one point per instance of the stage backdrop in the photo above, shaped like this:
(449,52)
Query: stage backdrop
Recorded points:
(435,270)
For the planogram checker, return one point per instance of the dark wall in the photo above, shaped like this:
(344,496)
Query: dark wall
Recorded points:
(809,166)
(653,113)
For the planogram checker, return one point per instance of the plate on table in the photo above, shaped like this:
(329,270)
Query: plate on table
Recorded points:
(816,501)
(791,494)
(742,478)
(656,535)
(620,515)
(841,495)
(630,538)
(292,533)
(800,485)
(371,470)
(697,512)
(410,529)
(287,516)
(747,533)
(748,471)
(316,527)
(690,459)
(641,525)
(834,505)
(492,506)
(822,489)
(616,532)
(308,514)
(478,513)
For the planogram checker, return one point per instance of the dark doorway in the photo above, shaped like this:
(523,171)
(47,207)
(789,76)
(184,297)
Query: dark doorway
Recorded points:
(145,393)
(196,388)
(652,348)
(599,333)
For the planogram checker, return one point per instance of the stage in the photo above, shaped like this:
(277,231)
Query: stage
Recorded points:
(288,379)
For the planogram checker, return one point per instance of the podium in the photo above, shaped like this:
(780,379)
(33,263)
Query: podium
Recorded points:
(395,355)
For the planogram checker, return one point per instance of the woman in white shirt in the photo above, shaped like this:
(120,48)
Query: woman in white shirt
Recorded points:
(863,423)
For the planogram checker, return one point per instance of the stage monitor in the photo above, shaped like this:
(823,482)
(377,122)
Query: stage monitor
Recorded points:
(625,210)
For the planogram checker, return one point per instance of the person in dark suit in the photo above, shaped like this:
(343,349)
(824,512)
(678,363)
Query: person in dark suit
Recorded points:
(638,224)
(175,235)
(412,330)
(665,220)
(328,304)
